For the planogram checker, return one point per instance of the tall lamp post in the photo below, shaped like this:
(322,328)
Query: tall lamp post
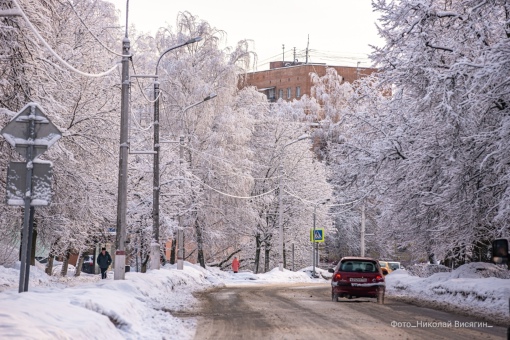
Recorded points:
(280,210)
(155,258)
(119,264)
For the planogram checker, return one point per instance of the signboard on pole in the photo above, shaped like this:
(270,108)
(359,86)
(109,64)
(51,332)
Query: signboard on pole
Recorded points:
(41,183)
(31,133)
(317,235)
(17,133)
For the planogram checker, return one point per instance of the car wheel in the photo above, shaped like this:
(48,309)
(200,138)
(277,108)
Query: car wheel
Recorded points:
(334,297)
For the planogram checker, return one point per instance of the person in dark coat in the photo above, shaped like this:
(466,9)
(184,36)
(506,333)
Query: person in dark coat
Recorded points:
(103,261)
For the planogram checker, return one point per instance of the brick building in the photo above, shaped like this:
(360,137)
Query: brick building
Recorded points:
(288,80)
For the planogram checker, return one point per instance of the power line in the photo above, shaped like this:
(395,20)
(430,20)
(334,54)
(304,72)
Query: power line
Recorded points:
(54,53)
(230,195)
(92,34)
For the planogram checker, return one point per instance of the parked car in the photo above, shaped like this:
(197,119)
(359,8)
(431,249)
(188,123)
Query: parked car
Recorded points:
(355,277)
(41,259)
(395,265)
(88,264)
(385,267)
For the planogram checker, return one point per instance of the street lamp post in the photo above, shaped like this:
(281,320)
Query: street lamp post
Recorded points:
(280,210)
(119,264)
(155,258)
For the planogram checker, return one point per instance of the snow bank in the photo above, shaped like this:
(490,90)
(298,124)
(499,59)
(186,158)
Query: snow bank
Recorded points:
(471,289)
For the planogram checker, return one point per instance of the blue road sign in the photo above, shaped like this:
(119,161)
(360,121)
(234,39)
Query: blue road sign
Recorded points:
(317,235)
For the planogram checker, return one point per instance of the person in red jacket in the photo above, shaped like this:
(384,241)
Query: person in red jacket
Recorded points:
(235,264)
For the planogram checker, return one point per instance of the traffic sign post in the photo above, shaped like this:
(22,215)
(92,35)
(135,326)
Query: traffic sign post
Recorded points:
(317,235)
(31,133)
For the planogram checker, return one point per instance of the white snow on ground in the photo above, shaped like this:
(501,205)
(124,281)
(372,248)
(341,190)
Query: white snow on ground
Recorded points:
(141,306)
(480,289)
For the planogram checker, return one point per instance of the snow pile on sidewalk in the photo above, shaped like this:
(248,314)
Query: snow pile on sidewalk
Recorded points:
(480,289)
(139,307)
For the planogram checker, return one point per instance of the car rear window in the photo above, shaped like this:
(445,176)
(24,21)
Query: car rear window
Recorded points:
(358,266)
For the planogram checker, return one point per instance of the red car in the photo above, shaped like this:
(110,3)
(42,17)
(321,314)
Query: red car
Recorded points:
(357,277)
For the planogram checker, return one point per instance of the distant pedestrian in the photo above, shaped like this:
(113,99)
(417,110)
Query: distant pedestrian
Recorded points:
(103,261)
(235,264)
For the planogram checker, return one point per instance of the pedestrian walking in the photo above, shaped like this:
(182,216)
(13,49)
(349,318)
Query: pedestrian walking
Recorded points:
(103,261)
(235,264)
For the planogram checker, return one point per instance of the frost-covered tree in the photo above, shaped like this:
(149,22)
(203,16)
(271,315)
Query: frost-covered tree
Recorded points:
(82,107)
(302,181)
(428,134)
(204,188)
(448,64)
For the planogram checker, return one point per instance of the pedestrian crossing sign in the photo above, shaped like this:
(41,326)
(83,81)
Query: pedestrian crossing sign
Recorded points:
(317,235)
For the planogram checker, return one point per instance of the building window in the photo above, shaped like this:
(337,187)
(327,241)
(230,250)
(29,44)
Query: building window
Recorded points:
(271,94)
(298,91)
(288,92)
(280,93)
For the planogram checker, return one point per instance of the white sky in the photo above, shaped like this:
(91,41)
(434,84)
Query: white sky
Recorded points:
(84,307)
(340,30)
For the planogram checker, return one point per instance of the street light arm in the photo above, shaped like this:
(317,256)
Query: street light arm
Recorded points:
(300,138)
(191,41)
(209,97)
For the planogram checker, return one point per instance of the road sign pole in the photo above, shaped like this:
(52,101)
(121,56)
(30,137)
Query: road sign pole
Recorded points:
(313,240)
(28,198)
(119,271)
(30,142)
(29,246)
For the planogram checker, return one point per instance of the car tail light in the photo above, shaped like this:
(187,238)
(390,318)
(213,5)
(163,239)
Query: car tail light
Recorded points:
(379,278)
(337,277)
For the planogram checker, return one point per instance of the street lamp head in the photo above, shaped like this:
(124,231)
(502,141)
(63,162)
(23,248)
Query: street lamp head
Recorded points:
(193,40)
(304,136)
(211,96)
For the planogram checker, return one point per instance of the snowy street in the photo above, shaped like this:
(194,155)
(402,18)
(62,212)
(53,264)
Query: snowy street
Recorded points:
(305,311)
(174,304)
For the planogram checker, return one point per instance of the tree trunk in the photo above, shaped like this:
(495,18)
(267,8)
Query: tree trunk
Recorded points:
(144,264)
(79,264)
(200,250)
(65,264)
(51,257)
(172,251)
(267,248)
(284,256)
(257,254)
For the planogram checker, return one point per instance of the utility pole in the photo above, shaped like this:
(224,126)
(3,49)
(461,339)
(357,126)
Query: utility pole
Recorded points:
(307,44)
(314,250)
(155,247)
(180,232)
(120,253)
(155,251)
(280,212)
(283,52)
(363,229)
